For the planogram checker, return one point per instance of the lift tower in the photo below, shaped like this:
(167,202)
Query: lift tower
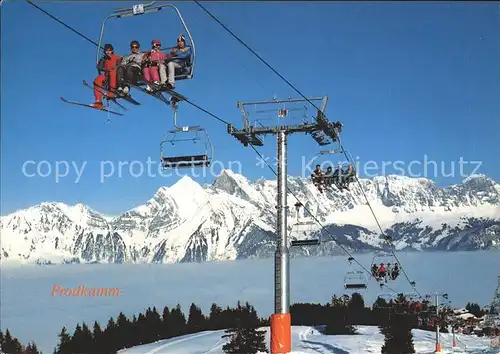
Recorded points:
(324,133)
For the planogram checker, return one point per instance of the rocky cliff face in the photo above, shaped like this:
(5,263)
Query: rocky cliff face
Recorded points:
(235,218)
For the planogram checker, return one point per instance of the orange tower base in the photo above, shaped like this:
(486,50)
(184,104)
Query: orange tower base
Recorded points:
(438,348)
(281,333)
(454,344)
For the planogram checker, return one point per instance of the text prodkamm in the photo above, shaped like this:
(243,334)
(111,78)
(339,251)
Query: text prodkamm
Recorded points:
(82,290)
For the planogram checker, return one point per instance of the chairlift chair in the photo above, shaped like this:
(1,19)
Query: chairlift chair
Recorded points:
(190,160)
(186,72)
(385,258)
(301,228)
(355,280)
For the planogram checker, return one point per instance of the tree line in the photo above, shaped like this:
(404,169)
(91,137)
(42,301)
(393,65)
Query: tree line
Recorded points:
(10,344)
(150,326)
(339,316)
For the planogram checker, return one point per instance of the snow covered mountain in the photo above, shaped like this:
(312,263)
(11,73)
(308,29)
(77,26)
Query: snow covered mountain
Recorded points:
(234,218)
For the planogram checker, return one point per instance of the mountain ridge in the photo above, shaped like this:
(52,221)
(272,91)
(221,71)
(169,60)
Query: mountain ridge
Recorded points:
(235,218)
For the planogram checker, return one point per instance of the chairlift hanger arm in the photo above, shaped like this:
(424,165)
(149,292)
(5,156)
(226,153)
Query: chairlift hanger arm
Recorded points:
(148,8)
(197,160)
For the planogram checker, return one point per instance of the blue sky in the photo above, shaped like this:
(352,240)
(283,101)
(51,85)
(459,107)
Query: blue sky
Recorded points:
(411,81)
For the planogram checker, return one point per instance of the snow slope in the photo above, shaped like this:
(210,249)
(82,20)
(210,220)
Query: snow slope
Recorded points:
(235,218)
(307,340)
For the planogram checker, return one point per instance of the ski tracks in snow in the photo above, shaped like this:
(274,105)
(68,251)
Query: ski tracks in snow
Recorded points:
(161,347)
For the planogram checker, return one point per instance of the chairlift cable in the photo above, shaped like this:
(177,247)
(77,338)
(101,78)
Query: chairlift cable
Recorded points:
(391,245)
(303,96)
(62,23)
(227,123)
(319,222)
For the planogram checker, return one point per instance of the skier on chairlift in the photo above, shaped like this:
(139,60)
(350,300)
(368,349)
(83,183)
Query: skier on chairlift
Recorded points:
(107,67)
(129,69)
(154,68)
(178,60)
(337,176)
(317,178)
(348,176)
(328,176)
(381,271)
(395,272)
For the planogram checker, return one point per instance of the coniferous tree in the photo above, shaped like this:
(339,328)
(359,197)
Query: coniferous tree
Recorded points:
(10,344)
(110,337)
(32,349)
(215,320)
(65,342)
(125,331)
(166,325)
(143,332)
(154,323)
(196,321)
(236,343)
(135,332)
(97,337)
(474,309)
(78,341)
(398,336)
(244,336)
(178,321)
(337,321)
(87,340)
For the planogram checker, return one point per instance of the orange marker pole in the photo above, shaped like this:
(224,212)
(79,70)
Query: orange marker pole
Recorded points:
(281,341)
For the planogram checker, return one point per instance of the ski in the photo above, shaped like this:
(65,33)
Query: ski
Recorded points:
(104,95)
(158,88)
(90,106)
(127,98)
(154,94)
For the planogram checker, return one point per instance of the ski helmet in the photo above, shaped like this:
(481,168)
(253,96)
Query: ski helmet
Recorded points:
(181,38)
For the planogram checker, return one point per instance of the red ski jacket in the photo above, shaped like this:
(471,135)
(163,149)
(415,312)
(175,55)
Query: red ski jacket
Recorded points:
(109,64)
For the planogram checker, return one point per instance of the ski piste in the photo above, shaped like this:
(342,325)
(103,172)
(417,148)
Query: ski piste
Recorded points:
(128,98)
(90,106)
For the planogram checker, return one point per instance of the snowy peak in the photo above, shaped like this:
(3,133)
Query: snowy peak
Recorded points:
(236,218)
(233,184)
